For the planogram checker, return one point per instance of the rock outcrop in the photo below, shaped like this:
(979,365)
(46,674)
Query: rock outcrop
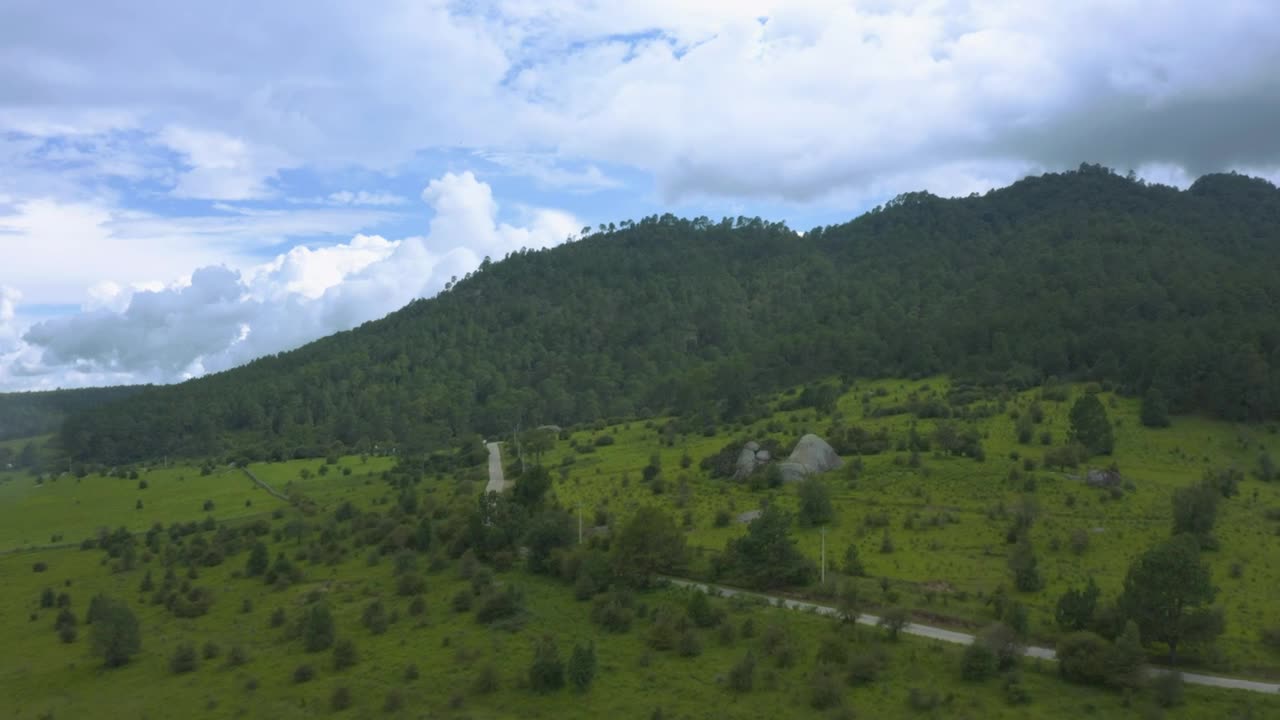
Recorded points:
(812,455)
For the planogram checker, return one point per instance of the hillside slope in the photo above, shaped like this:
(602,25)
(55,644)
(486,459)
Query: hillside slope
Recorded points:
(1079,275)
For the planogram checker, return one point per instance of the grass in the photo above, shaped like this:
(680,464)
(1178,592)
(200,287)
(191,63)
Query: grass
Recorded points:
(32,514)
(51,678)
(966,561)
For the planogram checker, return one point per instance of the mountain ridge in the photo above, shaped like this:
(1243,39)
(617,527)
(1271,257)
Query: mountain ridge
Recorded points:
(1084,274)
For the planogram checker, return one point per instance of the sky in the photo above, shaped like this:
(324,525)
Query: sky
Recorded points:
(187,186)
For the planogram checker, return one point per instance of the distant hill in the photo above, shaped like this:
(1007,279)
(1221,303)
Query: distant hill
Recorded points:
(1081,275)
(26,414)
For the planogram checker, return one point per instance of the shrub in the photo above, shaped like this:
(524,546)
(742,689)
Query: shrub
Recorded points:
(462,600)
(303,673)
(894,620)
(742,674)
(375,617)
(411,672)
(211,651)
(486,681)
(345,654)
(183,659)
(824,688)
(689,645)
(238,656)
(1082,658)
(68,633)
(978,662)
(866,665)
(581,669)
(546,673)
(341,698)
(1167,689)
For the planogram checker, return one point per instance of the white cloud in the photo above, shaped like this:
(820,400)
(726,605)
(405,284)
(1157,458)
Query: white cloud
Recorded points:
(364,197)
(53,250)
(220,167)
(9,298)
(221,317)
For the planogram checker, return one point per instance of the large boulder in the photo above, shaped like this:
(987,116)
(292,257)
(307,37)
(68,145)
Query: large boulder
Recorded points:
(792,471)
(814,453)
(811,456)
(745,465)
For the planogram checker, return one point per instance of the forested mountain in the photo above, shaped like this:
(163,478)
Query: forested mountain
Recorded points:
(35,413)
(1084,274)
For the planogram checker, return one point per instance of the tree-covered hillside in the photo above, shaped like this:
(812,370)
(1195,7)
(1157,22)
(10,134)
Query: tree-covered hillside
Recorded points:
(1078,275)
(36,413)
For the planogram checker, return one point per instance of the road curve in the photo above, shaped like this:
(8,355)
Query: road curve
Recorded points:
(496,482)
(951,636)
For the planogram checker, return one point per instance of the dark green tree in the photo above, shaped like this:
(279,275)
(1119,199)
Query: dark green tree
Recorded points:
(852,564)
(1125,659)
(546,673)
(1155,410)
(582,666)
(1025,568)
(1167,592)
(815,502)
(117,636)
(259,560)
(1076,606)
(1195,511)
(650,543)
(766,557)
(317,628)
(1090,426)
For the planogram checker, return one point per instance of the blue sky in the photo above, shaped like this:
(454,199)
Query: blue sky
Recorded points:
(186,187)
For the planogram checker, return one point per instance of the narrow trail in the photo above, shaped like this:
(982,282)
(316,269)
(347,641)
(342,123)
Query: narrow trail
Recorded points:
(496,482)
(264,486)
(951,636)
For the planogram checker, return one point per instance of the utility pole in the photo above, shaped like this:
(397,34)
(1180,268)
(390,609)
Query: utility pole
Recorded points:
(824,554)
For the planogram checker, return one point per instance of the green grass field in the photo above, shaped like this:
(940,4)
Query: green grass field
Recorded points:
(51,679)
(969,557)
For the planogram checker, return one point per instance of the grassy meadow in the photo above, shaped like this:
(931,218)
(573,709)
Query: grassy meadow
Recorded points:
(949,567)
(450,650)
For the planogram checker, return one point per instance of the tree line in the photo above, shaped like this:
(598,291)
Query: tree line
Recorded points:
(1078,275)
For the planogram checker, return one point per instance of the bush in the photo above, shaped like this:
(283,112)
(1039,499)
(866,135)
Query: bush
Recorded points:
(546,673)
(978,662)
(183,659)
(303,673)
(411,672)
(345,654)
(499,605)
(374,617)
(689,645)
(341,698)
(68,633)
(742,674)
(1082,658)
(238,656)
(40,567)
(463,600)
(211,651)
(582,667)
(486,681)
(894,620)
(824,688)
(865,666)
(1168,689)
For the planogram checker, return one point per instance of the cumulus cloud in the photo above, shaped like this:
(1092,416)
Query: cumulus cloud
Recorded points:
(53,249)
(222,317)
(9,298)
(791,100)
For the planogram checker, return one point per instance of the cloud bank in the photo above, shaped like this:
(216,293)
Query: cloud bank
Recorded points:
(222,317)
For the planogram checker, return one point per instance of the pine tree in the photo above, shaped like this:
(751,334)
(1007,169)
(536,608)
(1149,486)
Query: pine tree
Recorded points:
(546,673)
(582,666)
(1090,426)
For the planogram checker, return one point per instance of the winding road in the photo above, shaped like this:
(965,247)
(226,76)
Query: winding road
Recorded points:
(497,484)
(951,636)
